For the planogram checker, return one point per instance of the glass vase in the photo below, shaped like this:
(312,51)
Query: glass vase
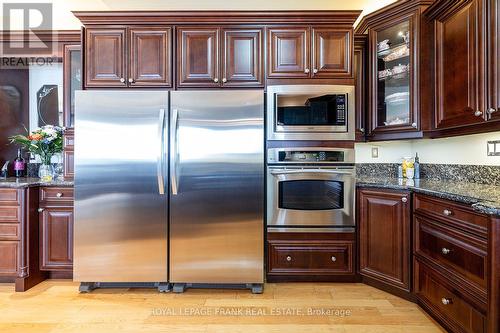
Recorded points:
(46,172)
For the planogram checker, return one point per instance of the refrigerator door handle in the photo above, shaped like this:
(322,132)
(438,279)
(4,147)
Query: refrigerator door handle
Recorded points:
(173,158)
(161,152)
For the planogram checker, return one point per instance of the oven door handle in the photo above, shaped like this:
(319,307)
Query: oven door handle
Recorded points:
(288,172)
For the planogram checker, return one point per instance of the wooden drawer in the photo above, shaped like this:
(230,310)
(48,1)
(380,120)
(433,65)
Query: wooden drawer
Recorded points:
(10,197)
(10,258)
(460,253)
(10,231)
(445,302)
(56,195)
(455,214)
(10,214)
(310,257)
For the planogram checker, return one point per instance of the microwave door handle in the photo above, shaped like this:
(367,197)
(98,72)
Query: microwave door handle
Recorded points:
(161,152)
(173,158)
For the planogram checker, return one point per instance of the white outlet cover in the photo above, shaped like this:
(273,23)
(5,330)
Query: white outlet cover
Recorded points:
(374,152)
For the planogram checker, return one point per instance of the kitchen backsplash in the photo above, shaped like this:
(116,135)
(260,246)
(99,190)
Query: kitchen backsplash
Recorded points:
(483,174)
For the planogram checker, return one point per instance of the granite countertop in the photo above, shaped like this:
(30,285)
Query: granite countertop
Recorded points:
(31,182)
(483,198)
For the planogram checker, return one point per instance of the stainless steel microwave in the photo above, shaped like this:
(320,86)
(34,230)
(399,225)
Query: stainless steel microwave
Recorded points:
(310,112)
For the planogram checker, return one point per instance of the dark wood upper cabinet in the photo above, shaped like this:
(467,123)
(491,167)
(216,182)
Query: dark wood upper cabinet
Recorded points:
(72,81)
(105,57)
(384,236)
(198,57)
(150,57)
(128,57)
(242,57)
(288,52)
(331,52)
(359,69)
(459,64)
(56,238)
(493,109)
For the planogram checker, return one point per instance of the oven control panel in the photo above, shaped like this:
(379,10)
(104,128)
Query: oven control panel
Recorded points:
(309,155)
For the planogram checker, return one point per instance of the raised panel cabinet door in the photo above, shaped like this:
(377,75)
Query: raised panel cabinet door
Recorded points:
(105,57)
(242,58)
(384,227)
(10,258)
(494,61)
(150,57)
(288,52)
(56,238)
(459,65)
(198,57)
(359,70)
(331,52)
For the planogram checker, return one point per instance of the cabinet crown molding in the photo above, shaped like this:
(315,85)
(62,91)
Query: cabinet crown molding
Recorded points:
(337,17)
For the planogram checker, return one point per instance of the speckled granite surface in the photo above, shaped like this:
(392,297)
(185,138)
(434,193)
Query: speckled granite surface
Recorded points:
(29,182)
(483,198)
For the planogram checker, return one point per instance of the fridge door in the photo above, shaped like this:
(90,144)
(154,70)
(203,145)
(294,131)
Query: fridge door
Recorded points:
(217,187)
(121,207)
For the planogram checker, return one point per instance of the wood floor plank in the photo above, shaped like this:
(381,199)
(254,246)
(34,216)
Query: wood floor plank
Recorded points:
(55,306)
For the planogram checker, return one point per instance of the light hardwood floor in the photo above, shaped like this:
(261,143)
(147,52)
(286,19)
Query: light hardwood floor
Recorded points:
(56,306)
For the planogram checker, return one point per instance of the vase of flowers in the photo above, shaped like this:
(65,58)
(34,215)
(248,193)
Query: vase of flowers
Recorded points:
(44,142)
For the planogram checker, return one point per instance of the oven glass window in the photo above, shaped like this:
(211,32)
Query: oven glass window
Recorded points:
(311,194)
(307,110)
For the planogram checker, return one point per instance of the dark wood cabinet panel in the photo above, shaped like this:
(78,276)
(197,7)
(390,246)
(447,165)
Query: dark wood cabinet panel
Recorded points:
(72,81)
(445,302)
(69,154)
(459,65)
(10,259)
(360,70)
(331,52)
(150,57)
(56,238)
(493,108)
(384,236)
(198,57)
(242,58)
(104,58)
(288,52)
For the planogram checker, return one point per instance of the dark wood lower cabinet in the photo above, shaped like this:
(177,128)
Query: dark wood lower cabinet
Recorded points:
(384,237)
(302,256)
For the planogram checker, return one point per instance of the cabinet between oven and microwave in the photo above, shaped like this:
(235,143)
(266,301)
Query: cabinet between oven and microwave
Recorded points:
(310,196)
(310,112)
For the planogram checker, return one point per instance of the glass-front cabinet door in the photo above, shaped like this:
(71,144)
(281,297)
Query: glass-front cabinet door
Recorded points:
(393,93)
(72,81)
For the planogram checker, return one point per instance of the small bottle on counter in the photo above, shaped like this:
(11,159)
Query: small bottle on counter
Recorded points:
(416,166)
(400,171)
(19,165)
(4,172)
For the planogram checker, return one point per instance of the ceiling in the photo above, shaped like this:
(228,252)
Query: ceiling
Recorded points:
(64,20)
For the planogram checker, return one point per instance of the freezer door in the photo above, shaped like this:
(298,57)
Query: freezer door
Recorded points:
(217,192)
(121,206)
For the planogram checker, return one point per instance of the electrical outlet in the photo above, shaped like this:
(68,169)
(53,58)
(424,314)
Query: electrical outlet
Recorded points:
(374,152)
(493,148)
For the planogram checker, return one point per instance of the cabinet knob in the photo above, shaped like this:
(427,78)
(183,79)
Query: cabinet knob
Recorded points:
(334,259)
(224,80)
(59,194)
(288,258)
(478,113)
(40,210)
(131,80)
(315,70)
(122,80)
(362,130)
(306,70)
(447,212)
(445,250)
(216,80)
(446,301)
(414,125)
(491,110)
(404,199)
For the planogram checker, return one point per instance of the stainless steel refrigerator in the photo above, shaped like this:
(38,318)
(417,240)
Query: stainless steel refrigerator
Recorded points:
(145,160)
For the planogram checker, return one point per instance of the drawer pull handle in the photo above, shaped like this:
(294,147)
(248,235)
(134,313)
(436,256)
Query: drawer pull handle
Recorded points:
(447,212)
(404,199)
(478,113)
(445,250)
(334,259)
(59,194)
(446,301)
(288,258)
(40,210)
